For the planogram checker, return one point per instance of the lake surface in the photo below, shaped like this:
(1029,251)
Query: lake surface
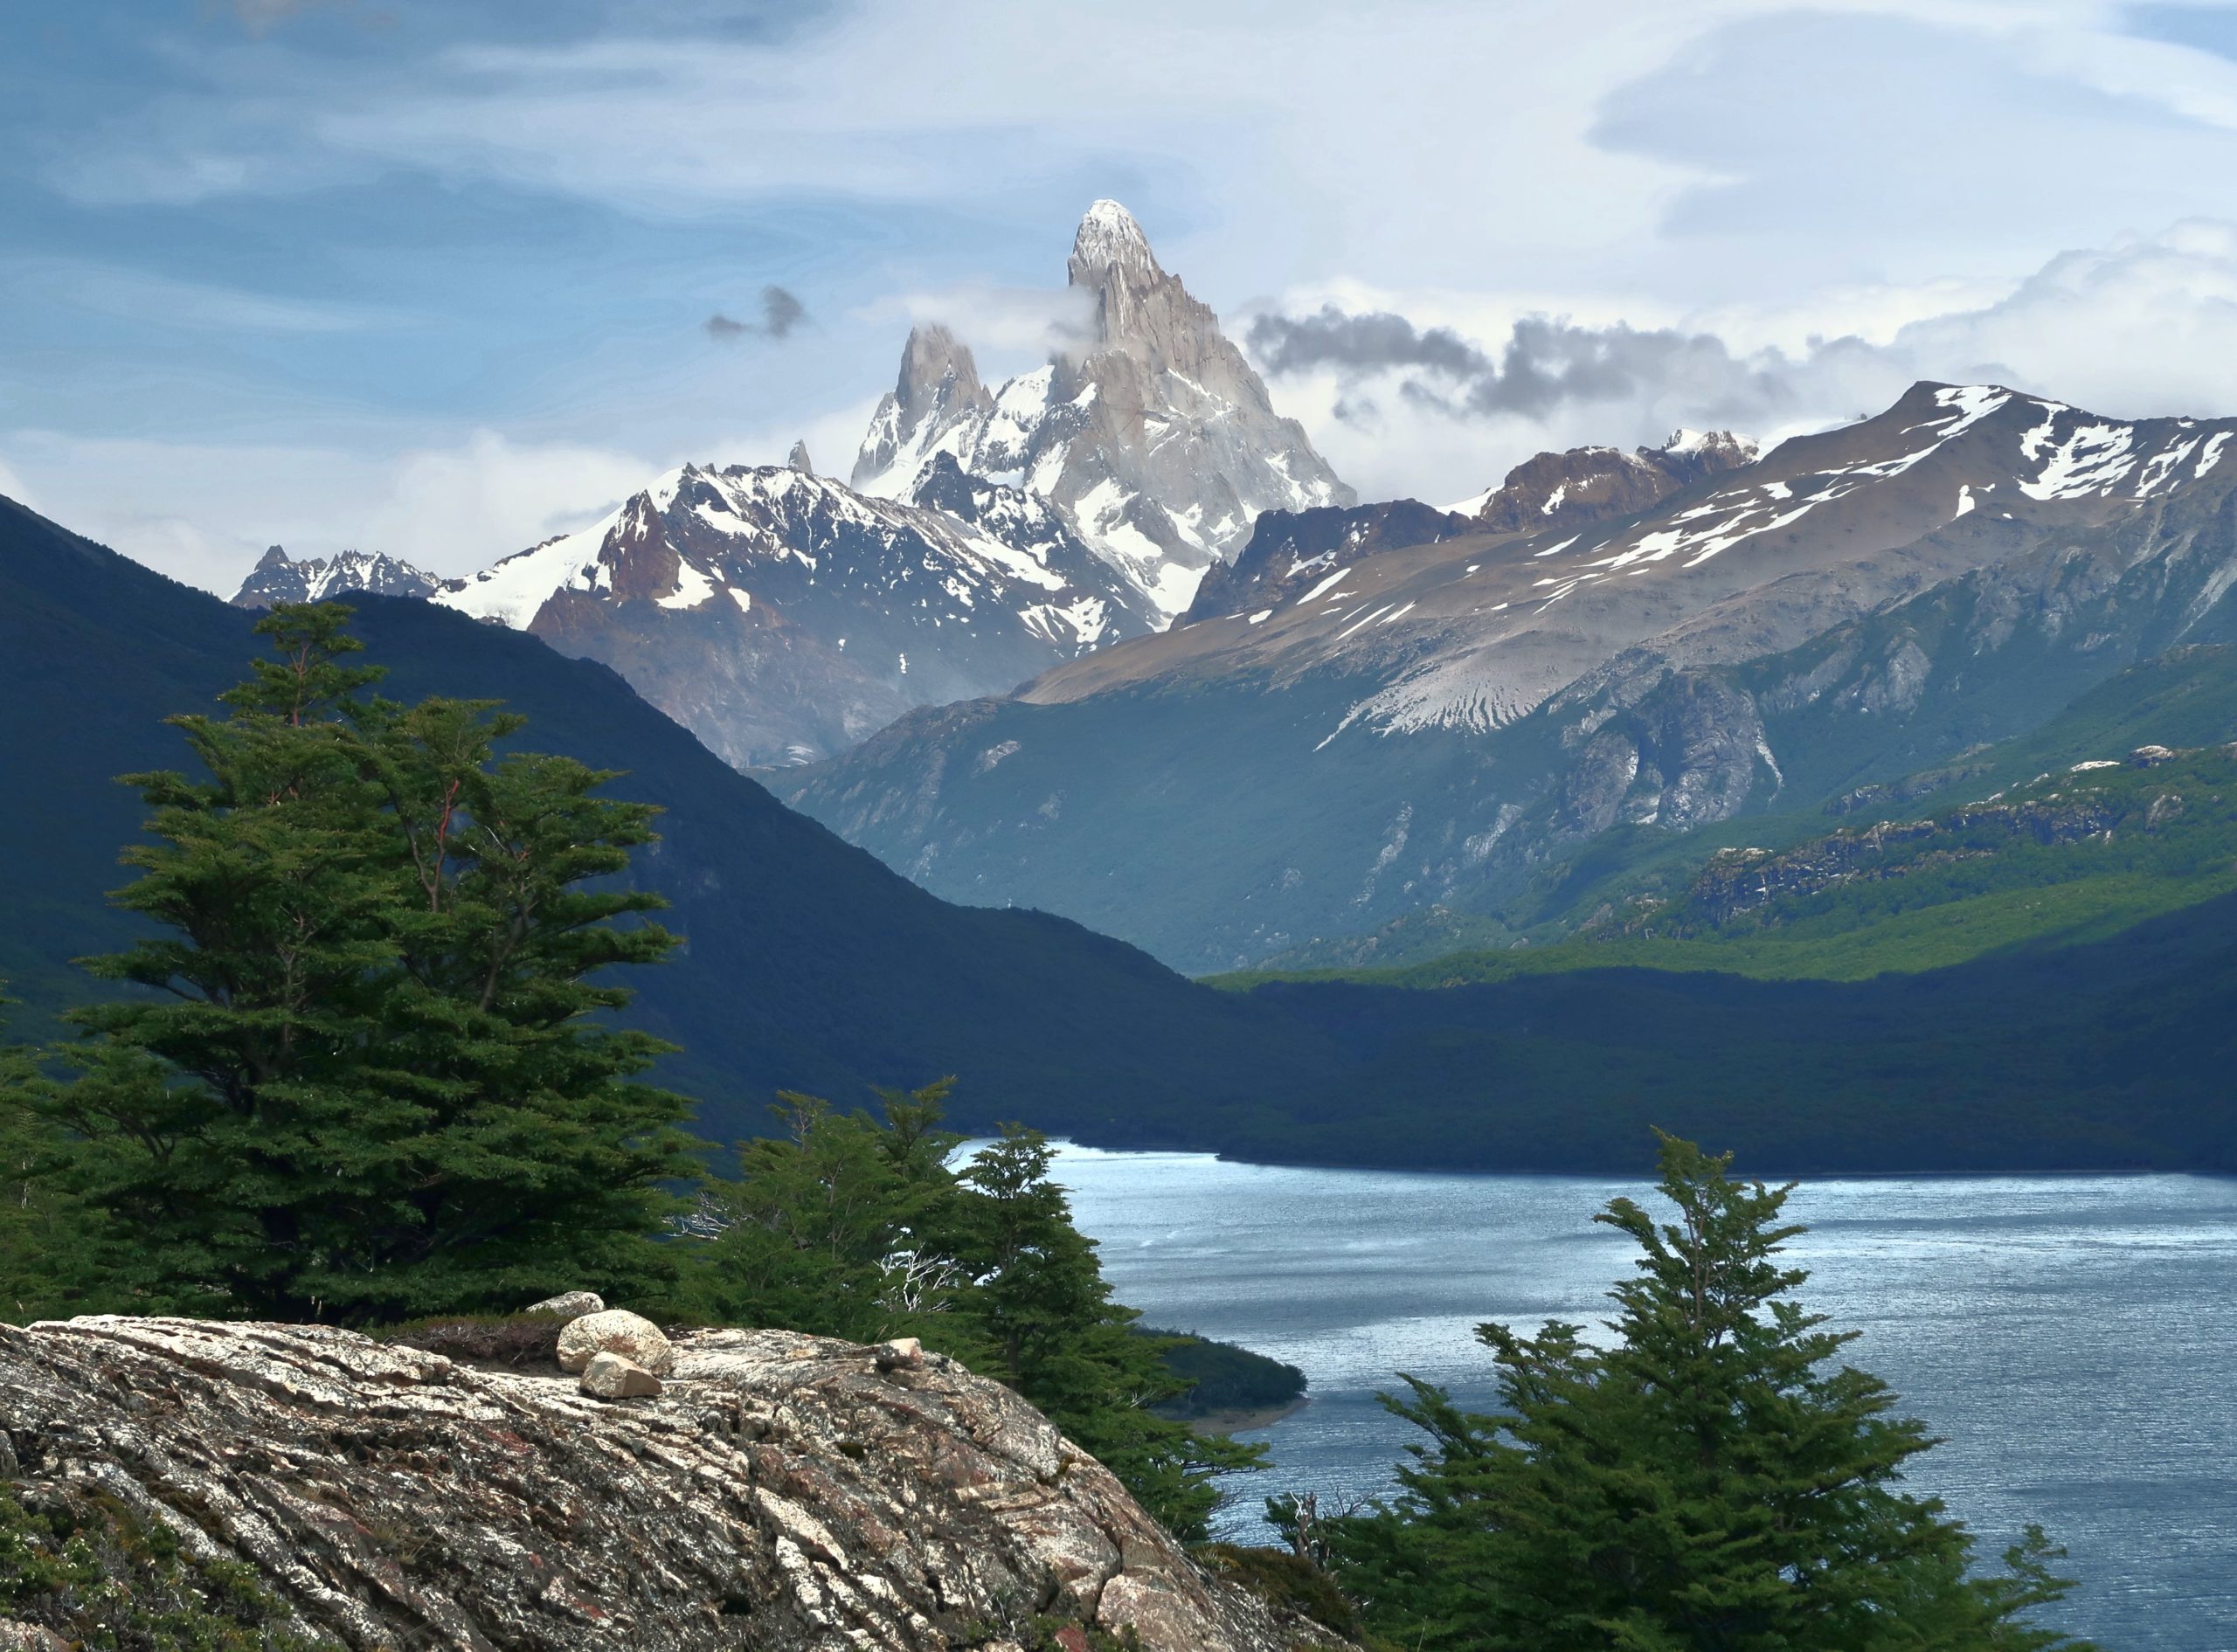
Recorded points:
(2074,1338)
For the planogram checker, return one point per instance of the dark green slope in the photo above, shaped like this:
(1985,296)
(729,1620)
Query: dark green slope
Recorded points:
(808,964)
(2112,1055)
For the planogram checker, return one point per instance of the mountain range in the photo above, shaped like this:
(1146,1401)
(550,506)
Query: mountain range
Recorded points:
(808,964)
(278,577)
(985,536)
(1389,708)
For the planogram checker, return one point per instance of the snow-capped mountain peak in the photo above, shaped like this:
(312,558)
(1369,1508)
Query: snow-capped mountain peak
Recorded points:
(782,616)
(1156,441)
(1110,246)
(278,578)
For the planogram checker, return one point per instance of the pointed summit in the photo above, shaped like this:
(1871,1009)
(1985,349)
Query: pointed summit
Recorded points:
(1110,242)
(936,374)
(938,391)
(1150,433)
(798,461)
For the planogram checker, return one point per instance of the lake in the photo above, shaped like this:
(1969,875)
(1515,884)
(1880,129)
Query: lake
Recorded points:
(2074,1338)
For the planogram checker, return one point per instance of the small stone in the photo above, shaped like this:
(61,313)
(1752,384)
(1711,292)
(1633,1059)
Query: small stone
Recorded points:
(616,1331)
(571,1304)
(610,1377)
(902,1351)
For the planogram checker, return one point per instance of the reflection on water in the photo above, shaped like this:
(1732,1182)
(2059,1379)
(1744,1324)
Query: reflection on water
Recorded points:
(2073,1338)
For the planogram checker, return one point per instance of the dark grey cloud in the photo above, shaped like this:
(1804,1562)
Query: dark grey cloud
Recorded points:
(1362,344)
(781,312)
(781,315)
(1548,364)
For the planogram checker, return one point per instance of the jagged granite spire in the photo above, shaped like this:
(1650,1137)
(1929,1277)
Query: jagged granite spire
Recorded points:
(798,458)
(1109,248)
(937,395)
(1155,439)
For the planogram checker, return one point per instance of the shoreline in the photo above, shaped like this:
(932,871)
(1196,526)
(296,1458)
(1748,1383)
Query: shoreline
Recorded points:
(1243,1420)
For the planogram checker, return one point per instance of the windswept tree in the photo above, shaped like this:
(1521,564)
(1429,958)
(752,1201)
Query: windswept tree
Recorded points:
(1711,1480)
(368,1072)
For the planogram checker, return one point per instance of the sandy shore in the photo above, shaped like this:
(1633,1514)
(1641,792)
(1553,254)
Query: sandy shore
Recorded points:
(1243,1420)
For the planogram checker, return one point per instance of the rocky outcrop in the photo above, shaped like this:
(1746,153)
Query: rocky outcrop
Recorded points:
(1294,551)
(784,1493)
(1588,485)
(278,578)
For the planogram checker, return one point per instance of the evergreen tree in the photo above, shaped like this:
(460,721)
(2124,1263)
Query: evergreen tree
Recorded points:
(1710,1481)
(1058,1337)
(847,1226)
(837,1225)
(369,1079)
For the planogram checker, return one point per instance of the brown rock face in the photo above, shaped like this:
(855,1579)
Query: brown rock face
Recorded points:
(1588,485)
(782,1494)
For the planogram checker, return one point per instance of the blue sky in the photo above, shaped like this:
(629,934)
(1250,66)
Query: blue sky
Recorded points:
(434,278)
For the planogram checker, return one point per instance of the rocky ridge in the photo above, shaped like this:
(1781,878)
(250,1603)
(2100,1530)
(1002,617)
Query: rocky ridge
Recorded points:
(781,617)
(1588,485)
(783,1493)
(1151,433)
(278,577)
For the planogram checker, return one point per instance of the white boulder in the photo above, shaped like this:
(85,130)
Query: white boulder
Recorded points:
(616,1331)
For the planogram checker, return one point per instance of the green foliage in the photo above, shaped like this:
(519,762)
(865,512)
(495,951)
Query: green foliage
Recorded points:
(48,1238)
(1977,883)
(1222,1376)
(1711,1479)
(368,1076)
(89,1570)
(850,1225)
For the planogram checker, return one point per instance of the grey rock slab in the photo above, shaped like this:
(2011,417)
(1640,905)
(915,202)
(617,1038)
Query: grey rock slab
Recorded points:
(781,1493)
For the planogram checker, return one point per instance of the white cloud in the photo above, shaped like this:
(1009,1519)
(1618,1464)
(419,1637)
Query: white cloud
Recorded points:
(1016,326)
(203,513)
(138,295)
(14,486)
(2141,327)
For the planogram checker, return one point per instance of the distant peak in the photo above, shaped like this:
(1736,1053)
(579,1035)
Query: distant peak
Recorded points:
(933,356)
(1725,444)
(798,461)
(1110,237)
(274,556)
